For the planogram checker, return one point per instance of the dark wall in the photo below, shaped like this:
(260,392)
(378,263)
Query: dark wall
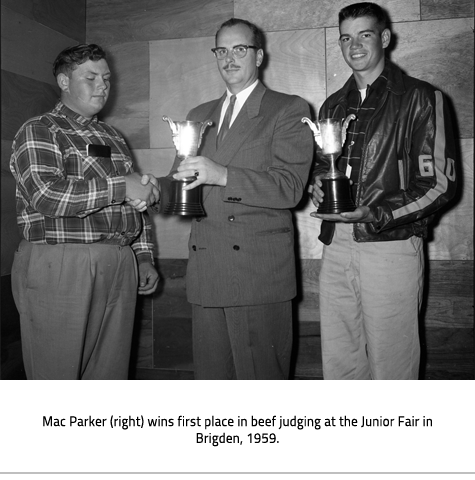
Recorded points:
(33,33)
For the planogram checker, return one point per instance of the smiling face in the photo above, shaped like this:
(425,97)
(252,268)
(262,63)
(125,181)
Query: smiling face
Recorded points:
(362,45)
(238,73)
(87,88)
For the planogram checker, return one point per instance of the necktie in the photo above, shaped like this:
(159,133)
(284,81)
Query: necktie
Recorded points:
(226,121)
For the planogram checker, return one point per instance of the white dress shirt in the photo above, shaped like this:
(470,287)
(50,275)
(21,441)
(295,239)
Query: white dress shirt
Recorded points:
(241,98)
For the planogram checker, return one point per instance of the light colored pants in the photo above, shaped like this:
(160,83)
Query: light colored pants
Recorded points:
(370,297)
(77,307)
(244,343)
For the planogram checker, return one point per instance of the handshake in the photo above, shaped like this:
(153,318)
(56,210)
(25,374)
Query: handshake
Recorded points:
(141,191)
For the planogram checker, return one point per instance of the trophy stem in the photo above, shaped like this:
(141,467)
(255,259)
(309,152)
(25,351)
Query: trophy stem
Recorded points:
(333,172)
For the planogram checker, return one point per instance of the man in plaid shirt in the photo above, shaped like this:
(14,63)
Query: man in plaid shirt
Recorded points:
(85,251)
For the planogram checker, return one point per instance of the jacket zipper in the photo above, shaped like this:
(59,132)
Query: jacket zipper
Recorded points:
(363,156)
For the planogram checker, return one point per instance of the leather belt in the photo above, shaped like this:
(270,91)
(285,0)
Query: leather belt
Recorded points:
(122,241)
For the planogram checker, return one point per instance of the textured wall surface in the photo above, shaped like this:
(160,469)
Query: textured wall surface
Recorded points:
(163,66)
(160,51)
(33,32)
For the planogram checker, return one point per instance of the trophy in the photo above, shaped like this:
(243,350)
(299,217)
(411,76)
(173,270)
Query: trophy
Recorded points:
(187,139)
(330,135)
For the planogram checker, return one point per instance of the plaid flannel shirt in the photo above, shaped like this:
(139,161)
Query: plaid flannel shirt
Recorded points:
(65,196)
(355,137)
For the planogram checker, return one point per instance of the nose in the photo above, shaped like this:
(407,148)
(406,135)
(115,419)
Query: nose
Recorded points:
(229,56)
(102,84)
(355,43)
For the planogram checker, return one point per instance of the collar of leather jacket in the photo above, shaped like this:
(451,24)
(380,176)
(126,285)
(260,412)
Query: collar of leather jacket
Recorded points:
(395,84)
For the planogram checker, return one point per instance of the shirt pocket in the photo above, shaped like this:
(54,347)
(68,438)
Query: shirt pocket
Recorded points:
(273,231)
(97,167)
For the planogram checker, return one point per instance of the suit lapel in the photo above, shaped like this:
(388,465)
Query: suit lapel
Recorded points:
(208,143)
(242,127)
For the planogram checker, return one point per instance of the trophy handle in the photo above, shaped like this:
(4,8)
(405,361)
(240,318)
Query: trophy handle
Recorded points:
(344,127)
(205,124)
(315,129)
(173,127)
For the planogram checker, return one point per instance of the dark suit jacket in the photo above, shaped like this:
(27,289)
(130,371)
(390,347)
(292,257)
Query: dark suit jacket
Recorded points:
(242,251)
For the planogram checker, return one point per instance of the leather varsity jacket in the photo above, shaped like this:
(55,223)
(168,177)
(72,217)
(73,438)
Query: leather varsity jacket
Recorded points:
(408,167)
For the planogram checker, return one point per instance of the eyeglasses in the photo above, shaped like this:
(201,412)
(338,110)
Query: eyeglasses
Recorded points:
(238,51)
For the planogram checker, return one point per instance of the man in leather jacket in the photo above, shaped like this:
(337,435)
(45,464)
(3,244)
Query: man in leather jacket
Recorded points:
(399,154)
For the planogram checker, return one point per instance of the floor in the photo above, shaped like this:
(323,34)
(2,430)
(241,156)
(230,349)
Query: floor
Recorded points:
(162,347)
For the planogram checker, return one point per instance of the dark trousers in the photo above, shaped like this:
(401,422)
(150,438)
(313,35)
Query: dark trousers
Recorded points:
(243,343)
(77,308)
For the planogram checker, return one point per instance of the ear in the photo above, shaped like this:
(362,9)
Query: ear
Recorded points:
(259,57)
(386,37)
(63,82)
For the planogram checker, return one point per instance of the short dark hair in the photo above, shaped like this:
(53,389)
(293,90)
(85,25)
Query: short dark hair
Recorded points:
(258,36)
(365,9)
(69,59)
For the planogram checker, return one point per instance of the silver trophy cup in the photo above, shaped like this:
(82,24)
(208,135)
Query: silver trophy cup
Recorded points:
(330,135)
(187,139)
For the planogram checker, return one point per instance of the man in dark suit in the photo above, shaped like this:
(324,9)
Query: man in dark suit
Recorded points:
(241,268)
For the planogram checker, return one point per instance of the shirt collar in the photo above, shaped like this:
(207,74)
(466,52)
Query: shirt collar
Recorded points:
(243,95)
(67,112)
(378,85)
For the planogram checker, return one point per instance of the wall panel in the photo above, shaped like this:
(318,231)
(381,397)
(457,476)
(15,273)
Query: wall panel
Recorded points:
(128,105)
(438,52)
(23,98)
(33,33)
(453,233)
(183,74)
(29,48)
(65,16)
(272,15)
(434,9)
(10,237)
(295,64)
(147,20)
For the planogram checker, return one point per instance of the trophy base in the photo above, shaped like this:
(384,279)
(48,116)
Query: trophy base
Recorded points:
(337,196)
(184,209)
(184,202)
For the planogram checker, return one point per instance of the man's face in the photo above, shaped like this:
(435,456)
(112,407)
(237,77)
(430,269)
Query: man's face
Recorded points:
(362,45)
(238,73)
(87,89)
